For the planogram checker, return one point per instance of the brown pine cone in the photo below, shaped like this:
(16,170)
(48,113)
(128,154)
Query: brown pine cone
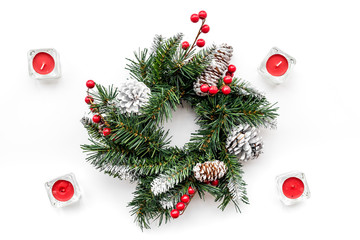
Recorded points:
(209,171)
(216,70)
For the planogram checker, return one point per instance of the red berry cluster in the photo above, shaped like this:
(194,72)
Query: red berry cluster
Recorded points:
(225,89)
(214,183)
(204,28)
(181,206)
(90,100)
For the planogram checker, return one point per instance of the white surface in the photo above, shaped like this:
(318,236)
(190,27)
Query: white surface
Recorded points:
(318,130)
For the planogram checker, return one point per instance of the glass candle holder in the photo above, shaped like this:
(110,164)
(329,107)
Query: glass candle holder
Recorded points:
(276,66)
(292,187)
(63,191)
(44,63)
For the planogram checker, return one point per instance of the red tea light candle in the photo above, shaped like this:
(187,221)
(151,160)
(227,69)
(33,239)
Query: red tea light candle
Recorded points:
(63,190)
(292,187)
(44,63)
(276,65)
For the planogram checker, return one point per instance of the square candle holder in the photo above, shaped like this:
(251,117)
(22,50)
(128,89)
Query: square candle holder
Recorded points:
(44,63)
(292,187)
(63,191)
(276,66)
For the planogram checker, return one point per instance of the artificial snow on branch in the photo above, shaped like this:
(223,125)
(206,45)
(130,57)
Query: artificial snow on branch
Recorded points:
(162,184)
(122,172)
(237,191)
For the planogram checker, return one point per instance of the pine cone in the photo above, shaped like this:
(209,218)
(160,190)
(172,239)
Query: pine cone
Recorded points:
(245,142)
(216,70)
(209,171)
(132,96)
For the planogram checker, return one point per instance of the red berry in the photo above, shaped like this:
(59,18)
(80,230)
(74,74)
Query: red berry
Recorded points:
(96,119)
(106,131)
(185,45)
(200,42)
(89,99)
(194,18)
(90,84)
(191,191)
(174,213)
(231,68)
(229,74)
(206,182)
(205,28)
(180,206)
(185,198)
(202,14)
(213,90)
(227,79)
(215,182)
(204,88)
(226,90)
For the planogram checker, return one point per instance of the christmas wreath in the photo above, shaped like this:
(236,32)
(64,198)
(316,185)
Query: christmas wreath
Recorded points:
(129,142)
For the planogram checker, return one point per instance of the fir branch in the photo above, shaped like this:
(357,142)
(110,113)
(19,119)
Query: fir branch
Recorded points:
(162,57)
(242,87)
(157,42)
(162,101)
(146,207)
(122,172)
(237,190)
(235,184)
(129,132)
(178,173)
(102,96)
(92,128)
(185,69)
(140,68)
(101,155)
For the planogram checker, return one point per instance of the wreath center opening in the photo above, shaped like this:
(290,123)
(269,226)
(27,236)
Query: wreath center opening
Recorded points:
(181,125)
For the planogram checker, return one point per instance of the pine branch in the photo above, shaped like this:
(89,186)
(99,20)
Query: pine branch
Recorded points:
(102,155)
(178,172)
(146,207)
(235,184)
(163,56)
(157,42)
(185,69)
(131,133)
(162,101)
(92,128)
(244,88)
(102,95)
(140,68)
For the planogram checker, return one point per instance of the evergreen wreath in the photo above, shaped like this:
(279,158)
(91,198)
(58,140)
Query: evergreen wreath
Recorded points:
(128,142)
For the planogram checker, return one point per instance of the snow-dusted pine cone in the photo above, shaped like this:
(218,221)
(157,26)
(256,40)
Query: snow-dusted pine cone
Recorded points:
(245,142)
(216,70)
(132,96)
(209,171)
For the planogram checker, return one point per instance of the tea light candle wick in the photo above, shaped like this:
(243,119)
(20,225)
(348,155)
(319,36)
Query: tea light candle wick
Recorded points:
(42,66)
(277,65)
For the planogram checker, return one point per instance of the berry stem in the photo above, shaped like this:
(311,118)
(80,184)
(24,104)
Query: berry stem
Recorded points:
(91,103)
(197,36)
(186,205)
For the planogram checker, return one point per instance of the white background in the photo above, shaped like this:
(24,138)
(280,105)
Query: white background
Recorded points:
(318,130)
